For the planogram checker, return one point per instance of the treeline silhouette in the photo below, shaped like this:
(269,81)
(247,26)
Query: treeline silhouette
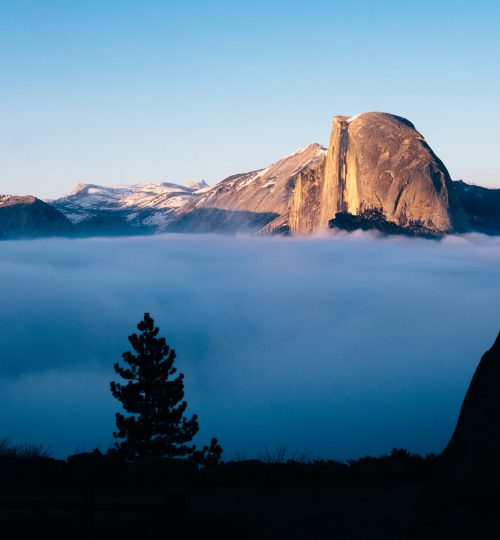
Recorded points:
(155,483)
(96,495)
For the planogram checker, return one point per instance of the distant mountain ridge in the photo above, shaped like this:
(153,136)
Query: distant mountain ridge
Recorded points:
(378,172)
(481,206)
(29,217)
(139,208)
(249,201)
(241,202)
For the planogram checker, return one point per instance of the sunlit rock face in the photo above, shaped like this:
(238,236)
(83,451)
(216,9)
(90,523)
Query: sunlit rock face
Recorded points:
(378,161)
(305,209)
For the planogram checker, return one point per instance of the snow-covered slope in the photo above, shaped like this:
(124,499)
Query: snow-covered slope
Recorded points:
(250,201)
(146,205)
(246,201)
(264,190)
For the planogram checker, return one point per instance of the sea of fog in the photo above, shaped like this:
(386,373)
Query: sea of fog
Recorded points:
(337,347)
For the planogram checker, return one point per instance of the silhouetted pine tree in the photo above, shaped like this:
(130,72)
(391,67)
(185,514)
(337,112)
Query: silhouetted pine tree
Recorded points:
(154,397)
(209,455)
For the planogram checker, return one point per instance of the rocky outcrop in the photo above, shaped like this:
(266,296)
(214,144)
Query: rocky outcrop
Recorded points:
(473,453)
(465,482)
(29,217)
(304,213)
(378,161)
(374,220)
(460,499)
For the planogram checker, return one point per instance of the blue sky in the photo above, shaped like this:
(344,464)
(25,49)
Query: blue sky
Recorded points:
(128,91)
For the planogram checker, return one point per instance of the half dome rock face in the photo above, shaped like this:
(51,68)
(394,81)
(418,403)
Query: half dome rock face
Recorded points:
(378,161)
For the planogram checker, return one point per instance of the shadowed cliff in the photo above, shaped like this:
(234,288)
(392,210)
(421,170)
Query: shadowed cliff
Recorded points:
(462,498)
(472,457)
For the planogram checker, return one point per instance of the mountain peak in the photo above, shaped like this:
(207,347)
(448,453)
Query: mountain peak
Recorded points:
(378,161)
(373,116)
(81,187)
(377,169)
(197,184)
(29,217)
(12,200)
(313,147)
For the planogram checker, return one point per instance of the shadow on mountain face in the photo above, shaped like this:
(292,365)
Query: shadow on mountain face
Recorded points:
(29,217)
(481,205)
(208,220)
(109,224)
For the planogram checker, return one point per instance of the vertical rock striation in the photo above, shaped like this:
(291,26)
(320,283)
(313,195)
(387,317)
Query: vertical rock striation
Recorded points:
(303,217)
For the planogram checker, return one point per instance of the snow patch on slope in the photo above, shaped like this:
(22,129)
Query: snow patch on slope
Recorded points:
(135,202)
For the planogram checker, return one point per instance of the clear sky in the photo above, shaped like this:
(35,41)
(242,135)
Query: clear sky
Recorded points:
(129,91)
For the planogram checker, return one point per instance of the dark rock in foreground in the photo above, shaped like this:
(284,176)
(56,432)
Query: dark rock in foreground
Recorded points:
(471,461)
(462,498)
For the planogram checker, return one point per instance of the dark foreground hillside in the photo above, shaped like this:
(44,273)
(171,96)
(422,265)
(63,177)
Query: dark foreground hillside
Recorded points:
(93,496)
(399,496)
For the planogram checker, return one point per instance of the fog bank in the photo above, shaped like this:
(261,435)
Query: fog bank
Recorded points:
(337,346)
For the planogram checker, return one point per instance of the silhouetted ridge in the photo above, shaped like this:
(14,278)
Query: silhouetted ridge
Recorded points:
(475,442)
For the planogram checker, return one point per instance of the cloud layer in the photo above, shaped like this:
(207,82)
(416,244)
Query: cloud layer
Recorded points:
(338,346)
